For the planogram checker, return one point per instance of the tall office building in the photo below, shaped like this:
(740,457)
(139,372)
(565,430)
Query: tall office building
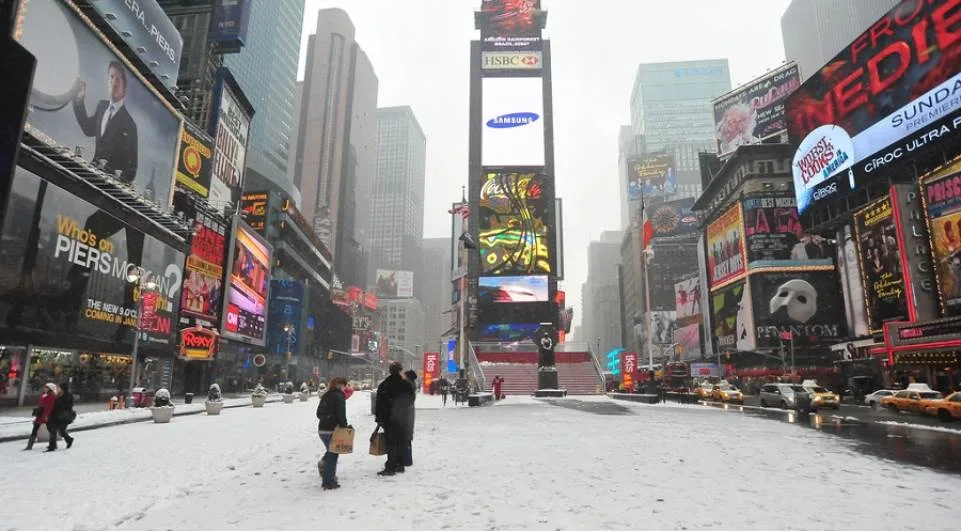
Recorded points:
(671,109)
(329,159)
(397,201)
(601,321)
(814,31)
(199,58)
(266,70)
(405,330)
(628,145)
(433,287)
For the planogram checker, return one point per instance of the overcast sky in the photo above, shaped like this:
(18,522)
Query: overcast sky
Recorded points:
(420,50)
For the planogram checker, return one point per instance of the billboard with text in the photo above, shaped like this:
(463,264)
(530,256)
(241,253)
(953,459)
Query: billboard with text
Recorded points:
(512,121)
(755,111)
(726,258)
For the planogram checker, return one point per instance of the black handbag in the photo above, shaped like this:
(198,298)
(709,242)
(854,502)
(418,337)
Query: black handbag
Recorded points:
(37,411)
(67,417)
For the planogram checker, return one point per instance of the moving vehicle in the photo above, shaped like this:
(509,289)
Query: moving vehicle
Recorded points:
(726,392)
(820,396)
(874,399)
(915,399)
(780,394)
(704,390)
(946,409)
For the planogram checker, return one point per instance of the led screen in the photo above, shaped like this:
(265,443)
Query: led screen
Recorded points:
(508,332)
(512,121)
(246,313)
(513,228)
(513,289)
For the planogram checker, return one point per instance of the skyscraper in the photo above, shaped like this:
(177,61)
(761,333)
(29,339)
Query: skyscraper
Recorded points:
(332,156)
(814,31)
(601,319)
(671,109)
(397,198)
(433,287)
(266,69)
(628,145)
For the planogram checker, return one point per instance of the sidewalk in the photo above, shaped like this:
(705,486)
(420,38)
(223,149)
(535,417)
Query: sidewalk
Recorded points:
(16,426)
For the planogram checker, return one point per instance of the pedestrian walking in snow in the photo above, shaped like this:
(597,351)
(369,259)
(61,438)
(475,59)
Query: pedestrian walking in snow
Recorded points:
(395,398)
(443,385)
(61,415)
(408,454)
(498,384)
(331,414)
(41,413)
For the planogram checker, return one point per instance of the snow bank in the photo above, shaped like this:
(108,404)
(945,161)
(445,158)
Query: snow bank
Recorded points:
(928,427)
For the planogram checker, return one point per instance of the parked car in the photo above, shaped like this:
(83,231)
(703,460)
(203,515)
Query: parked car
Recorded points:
(874,399)
(914,400)
(946,409)
(780,395)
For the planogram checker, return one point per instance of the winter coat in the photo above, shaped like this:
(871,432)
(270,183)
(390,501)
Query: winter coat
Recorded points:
(61,406)
(46,406)
(332,410)
(395,400)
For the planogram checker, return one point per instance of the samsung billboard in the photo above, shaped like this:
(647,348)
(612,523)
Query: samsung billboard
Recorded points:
(512,121)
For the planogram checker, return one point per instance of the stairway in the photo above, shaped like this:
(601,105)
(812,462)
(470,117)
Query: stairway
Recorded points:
(519,371)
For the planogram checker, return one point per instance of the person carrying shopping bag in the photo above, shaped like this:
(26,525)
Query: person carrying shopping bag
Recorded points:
(331,414)
(61,416)
(41,413)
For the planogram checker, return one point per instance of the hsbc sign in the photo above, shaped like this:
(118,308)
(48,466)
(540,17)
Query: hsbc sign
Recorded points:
(511,60)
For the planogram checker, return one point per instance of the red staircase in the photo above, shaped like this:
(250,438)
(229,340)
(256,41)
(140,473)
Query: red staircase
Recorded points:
(575,371)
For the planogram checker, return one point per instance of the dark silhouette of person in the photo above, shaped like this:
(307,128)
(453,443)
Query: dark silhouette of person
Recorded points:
(116,151)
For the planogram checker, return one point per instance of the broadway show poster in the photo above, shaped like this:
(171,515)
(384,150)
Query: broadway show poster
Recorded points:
(203,288)
(687,298)
(880,264)
(732,318)
(776,238)
(651,175)
(688,340)
(86,98)
(804,303)
(673,218)
(285,313)
(65,265)
(942,196)
(725,247)
(756,110)
(852,286)
(231,132)
(195,162)
(663,325)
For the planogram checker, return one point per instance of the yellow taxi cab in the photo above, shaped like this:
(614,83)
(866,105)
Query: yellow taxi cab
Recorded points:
(820,396)
(703,391)
(725,392)
(946,409)
(914,399)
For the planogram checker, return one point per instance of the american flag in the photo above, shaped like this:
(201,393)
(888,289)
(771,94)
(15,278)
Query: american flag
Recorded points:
(462,208)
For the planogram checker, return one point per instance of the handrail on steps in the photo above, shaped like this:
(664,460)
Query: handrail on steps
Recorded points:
(476,369)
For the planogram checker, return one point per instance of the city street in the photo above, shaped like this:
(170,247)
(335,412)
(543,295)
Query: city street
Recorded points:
(576,463)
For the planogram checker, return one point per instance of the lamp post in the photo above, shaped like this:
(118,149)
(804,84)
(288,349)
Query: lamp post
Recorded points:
(289,330)
(144,281)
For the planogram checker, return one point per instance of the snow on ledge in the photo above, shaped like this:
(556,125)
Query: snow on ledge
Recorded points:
(941,429)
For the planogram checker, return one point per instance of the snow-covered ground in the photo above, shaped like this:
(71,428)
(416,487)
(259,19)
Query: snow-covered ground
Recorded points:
(522,464)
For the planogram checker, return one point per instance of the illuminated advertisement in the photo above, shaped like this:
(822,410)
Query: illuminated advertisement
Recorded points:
(888,94)
(732,317)
(512,60)
(231,18)
(513,225)
(231,129)
(725,247)
(513,289)
(688,341)
(629,369)
(663,325)
(802,303)
(775,237)
(63,272)
(253,208)
(687,298)
(755,111)
(203,287)
(671,261)
(920,287)
(651,175)
(880,263)
(942,201)
(395,284)
(285,314)
(86,97)
(673,218)
(508,332)
(245,307)
(510,24)
(194,162)
(512,111)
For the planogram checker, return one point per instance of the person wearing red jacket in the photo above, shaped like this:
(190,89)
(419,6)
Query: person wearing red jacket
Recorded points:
(42,412)
(497,384)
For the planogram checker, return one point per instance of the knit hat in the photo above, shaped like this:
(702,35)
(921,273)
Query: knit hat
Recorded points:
(52,386)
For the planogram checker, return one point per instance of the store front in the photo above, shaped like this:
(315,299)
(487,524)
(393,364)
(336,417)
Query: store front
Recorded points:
(927,352)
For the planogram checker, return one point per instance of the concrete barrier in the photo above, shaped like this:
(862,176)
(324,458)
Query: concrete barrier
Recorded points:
(645,399)
(480,399)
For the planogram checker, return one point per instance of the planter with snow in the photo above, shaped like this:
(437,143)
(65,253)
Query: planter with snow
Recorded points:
(259,397)
(304,396)
(162,409)
(213,407)
(289,399)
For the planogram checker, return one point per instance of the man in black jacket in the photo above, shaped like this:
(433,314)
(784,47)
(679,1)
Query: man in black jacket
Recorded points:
(60,417)
(395,400)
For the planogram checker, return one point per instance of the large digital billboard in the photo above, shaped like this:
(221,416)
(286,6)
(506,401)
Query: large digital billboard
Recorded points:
(687,298)
(512,119)
(673,218)
(942,200)
(804,304)
(755,111)
(253,208)
(688,341)
(87,98)
(725,244)
(203,287)
(514,232)
(775,237)
(231,129)
(285,316)
(245,307)
(509,332)
(510,24)
(663,324)
(194,162)
(513,289)
(890,93)
(395,284)
(880,263)
(651,175)
(64,268)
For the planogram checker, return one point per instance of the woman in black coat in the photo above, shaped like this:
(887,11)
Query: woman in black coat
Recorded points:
(60,417)
(408,455)
(331,414)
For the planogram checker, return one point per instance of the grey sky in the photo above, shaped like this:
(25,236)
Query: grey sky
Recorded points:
(420,51)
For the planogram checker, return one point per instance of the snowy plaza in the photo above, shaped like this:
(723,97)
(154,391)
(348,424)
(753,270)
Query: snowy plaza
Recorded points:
(572,464)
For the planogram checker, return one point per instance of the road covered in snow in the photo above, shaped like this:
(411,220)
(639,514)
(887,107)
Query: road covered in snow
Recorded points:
(569,464)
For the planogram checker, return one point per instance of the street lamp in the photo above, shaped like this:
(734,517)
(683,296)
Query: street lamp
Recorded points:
(144,281)
(289,330)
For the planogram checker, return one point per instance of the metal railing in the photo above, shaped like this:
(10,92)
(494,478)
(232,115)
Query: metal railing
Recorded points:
(476,369)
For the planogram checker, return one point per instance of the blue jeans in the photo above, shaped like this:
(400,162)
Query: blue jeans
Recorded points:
(330,461)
